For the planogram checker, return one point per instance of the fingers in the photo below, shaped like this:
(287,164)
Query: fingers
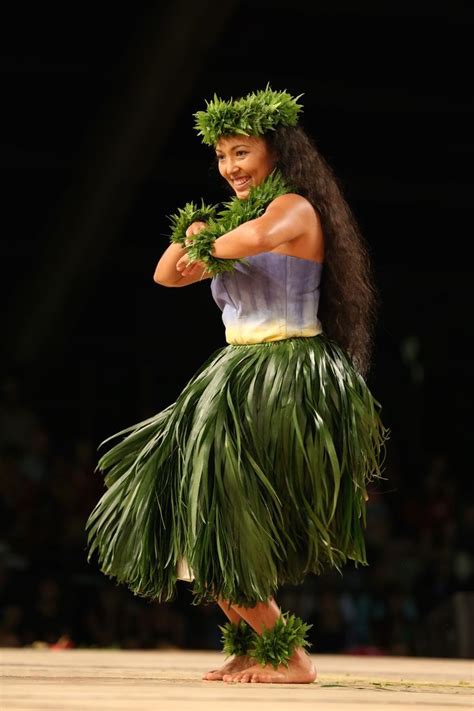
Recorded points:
(188,268)
(181,265)
(194,228)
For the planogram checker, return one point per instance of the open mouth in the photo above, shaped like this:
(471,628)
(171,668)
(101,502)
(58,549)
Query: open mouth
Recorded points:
(240,183)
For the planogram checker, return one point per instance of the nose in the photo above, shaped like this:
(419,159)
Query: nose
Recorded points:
(229,167)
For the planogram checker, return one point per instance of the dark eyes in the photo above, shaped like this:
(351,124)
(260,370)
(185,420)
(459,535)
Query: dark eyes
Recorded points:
(239,154)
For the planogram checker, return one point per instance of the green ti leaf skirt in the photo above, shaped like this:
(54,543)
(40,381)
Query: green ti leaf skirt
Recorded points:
(256,476)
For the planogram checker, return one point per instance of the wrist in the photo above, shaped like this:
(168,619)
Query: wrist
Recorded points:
(184,218)
(202,249)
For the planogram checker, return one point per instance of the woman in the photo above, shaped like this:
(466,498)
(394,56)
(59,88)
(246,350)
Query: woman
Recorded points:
(257,474)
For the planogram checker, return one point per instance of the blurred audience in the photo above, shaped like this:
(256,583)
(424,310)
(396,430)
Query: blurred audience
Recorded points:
(420,540)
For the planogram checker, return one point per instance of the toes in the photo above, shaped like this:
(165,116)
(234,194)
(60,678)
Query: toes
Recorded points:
(233,677)
(245,678)
(259,678)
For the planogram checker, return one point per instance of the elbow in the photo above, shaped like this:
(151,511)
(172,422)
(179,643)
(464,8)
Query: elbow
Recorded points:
(160,279)
(156,277)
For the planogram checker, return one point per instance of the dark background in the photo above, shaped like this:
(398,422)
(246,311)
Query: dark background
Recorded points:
(98,147)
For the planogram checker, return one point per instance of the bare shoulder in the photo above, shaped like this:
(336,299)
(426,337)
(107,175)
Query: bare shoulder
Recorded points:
(295,203)
(296,222)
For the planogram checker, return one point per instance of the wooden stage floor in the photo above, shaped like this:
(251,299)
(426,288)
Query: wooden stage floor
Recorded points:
(86,680)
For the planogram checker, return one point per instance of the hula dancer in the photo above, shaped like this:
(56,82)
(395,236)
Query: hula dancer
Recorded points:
(257,475)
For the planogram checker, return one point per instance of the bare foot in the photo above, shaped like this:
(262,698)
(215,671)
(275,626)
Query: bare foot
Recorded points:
(300,670)
(237,664)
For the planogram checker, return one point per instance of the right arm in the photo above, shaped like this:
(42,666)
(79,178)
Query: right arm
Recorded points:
(166,273)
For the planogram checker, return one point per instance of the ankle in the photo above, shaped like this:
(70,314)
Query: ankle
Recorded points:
(282,643)
(237,638)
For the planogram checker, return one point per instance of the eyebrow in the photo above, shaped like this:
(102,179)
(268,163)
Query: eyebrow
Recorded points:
(234,148)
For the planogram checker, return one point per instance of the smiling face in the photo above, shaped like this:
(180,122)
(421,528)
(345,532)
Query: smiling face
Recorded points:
(244,161)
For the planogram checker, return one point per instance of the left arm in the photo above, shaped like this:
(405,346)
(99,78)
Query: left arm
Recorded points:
(285,219)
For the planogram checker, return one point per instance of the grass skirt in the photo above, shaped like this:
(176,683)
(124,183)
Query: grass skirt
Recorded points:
(255,476)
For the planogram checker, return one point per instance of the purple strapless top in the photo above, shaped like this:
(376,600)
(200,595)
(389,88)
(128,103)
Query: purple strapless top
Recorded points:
(269,297)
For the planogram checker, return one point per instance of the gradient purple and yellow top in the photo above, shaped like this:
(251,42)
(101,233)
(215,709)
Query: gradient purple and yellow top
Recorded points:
(269,297)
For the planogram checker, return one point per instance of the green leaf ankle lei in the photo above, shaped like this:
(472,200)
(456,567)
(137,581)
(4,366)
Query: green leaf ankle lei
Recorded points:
(237,638)
(234,213)
(274,646)
(277,644)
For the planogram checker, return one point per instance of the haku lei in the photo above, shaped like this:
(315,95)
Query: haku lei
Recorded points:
(252,115)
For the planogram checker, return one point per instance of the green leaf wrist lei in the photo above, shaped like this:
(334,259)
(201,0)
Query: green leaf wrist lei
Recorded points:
(185,216)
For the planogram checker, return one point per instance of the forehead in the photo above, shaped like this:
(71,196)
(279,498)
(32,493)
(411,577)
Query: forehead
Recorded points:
(227,143)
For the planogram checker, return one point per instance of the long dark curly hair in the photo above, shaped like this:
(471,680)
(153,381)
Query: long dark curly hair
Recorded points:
(348,296)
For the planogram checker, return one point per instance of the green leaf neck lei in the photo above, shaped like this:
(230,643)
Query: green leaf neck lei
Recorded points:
(233,213)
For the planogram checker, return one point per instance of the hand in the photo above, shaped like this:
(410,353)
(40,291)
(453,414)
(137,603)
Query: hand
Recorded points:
(193,229)
(187,268)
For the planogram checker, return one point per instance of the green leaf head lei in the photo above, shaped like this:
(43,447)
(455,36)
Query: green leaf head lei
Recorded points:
(252,115)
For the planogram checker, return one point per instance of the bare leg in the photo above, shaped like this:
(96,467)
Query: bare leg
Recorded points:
(300,668)
(229,611)
(262,615)
(236,664)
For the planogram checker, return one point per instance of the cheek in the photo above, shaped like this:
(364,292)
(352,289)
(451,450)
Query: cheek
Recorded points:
(266,169)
